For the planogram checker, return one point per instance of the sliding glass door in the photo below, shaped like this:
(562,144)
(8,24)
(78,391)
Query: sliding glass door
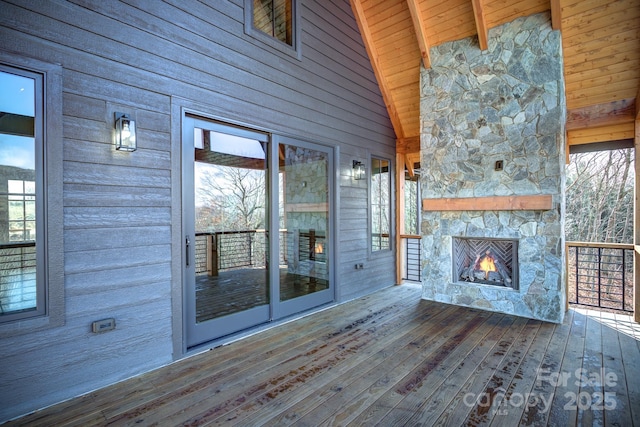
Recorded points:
(257,228)
(305,183)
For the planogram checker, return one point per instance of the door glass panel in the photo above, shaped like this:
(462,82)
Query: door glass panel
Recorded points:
(304,219)
(230,224)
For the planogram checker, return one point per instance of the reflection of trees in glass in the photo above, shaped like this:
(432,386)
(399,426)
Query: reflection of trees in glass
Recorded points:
(380,204)
(411,204)
(600,197)
(229,198)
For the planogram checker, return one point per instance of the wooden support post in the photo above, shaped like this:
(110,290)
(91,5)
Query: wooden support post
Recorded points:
(400,215)
(636,224)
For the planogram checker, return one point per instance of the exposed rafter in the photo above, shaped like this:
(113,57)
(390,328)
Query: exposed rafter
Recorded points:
(370,45)
(556,15)
(481,24)
(416,16)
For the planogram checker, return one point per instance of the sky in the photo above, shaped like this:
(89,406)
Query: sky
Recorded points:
(17,96)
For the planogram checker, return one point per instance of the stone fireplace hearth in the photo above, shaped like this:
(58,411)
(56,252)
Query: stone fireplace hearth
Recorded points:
(480,109)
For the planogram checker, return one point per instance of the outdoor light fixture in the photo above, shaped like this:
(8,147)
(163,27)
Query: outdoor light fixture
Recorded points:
(359,172)
(125,132)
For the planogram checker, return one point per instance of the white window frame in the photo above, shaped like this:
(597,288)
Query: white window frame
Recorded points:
(49,204)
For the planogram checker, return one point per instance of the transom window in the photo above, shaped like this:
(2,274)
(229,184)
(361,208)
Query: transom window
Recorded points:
(275,18)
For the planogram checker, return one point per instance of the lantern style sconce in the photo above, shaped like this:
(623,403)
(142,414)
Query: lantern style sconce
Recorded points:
(125,132)
(359,172)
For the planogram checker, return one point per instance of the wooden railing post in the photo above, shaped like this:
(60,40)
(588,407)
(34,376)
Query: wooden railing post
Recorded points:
(636,222)
(212,255)
(400,215)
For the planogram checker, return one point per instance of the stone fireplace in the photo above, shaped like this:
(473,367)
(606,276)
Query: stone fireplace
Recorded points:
(492,161)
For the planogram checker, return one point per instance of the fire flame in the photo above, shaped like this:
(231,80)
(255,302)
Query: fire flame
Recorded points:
(487,264)
(319,248)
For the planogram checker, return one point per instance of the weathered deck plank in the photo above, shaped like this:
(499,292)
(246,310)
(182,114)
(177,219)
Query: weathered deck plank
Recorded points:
(387,359)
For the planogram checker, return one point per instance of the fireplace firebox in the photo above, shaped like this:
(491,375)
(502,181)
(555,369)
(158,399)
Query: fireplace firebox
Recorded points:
(488,261)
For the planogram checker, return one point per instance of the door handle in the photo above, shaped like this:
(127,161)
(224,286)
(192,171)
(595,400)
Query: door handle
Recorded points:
(187,245)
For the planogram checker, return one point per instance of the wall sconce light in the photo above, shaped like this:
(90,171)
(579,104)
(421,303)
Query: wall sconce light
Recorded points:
(125,132)
(359,172)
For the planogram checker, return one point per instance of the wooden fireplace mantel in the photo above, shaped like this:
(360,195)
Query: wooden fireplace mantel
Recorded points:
(493,203)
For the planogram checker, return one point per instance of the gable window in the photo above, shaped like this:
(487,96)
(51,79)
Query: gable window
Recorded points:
(275,24)
(31,285)
(275,18)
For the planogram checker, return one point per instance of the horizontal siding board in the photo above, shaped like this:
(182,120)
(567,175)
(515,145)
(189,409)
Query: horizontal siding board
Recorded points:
(83,107)
(130,297)
(117,278)
(104,152)
(113,259)
(107,238)
(87,173)
(77,195)
(87,217)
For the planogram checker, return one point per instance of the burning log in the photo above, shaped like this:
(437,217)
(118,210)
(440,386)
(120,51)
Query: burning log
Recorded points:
(487,268)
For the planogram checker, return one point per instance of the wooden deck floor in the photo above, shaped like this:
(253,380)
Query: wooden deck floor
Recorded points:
(389,359)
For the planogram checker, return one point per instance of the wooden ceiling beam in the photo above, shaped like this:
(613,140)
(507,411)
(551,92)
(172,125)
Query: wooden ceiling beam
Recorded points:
(611,113)
(408,145)
(556,15)
(421,33)
(369,43)
(481,24)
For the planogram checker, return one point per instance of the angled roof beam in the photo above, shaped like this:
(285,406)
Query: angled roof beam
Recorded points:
(556,15)
(481,24)
(369,44)
(418,25)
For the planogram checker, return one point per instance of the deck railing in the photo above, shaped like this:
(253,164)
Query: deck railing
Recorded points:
(17,276)
(411,247)
(600,275)
(226,250)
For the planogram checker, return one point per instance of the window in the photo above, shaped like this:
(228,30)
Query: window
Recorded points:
(275,18)
(380,204)
(31,283)
(274,23)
